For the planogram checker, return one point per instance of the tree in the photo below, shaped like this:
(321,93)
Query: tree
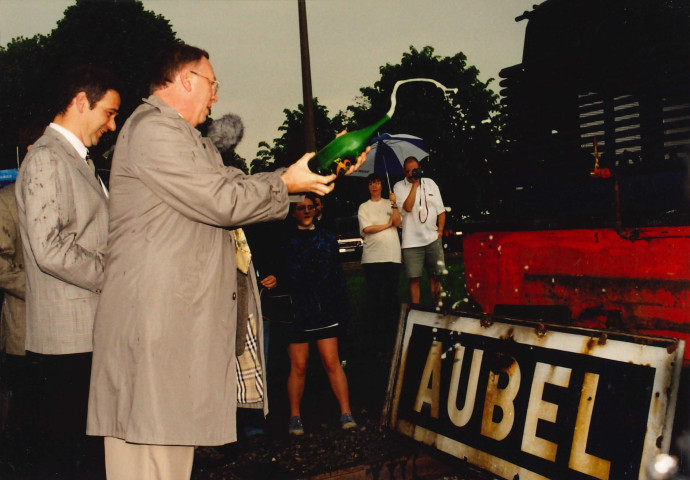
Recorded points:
(290,146)
(22,96)
(118,35)
(461,135)
(264,161)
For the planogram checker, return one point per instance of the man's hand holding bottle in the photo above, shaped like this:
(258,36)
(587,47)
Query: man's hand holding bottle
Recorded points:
(300,179)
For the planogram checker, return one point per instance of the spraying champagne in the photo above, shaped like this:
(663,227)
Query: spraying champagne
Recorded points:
(336,156)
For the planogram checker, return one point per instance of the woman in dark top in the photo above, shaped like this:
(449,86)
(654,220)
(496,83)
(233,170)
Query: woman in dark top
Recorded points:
(316,283)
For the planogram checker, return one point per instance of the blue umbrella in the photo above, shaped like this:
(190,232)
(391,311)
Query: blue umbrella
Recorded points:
(8,176)
(388,153)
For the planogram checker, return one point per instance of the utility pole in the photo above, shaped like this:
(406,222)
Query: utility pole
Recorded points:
(309,134)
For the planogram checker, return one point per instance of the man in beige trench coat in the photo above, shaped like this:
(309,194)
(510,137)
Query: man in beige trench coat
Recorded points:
(164,375)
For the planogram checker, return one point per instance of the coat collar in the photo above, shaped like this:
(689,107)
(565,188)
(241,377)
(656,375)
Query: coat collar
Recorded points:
(72,139)
(54,137)
(169,112)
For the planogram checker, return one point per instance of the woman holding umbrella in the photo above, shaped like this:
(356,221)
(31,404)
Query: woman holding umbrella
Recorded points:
(378,222)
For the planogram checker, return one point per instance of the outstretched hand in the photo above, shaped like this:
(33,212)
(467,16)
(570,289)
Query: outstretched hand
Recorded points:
(359,160)
(299,179)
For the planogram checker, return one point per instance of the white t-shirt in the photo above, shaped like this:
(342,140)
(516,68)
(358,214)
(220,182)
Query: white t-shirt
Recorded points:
(383,246)
(419,226)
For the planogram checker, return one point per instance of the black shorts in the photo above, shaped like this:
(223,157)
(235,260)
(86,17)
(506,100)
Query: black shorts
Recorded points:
(301,336)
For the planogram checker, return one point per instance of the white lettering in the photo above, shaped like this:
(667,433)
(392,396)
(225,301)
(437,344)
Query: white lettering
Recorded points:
(580,460)
(462,416)
(538,409)
(501,399)
(432,374)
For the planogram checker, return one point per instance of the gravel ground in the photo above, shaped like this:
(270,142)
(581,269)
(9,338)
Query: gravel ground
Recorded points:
(323,450)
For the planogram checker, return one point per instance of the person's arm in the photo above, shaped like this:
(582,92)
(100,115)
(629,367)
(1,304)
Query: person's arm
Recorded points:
(299,179)
(263,239)
(11,275)
(441,222)
(396,219)
(440,211)
(377,228)
(366,227)
(269,281)
(54,239)
(408,204)
(189,178)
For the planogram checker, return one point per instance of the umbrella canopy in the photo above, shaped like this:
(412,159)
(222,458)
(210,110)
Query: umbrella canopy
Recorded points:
(388,153)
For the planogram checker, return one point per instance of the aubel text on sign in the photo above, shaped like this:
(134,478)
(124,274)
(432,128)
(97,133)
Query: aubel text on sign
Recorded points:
(539,404)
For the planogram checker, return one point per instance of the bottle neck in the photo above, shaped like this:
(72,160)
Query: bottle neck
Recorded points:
(381,122)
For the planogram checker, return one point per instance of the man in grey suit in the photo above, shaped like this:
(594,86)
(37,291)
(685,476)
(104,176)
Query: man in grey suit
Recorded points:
(12,316)
(177,322)
(63,221)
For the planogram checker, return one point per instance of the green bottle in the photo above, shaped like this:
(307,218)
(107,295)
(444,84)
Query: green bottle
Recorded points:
(338,155)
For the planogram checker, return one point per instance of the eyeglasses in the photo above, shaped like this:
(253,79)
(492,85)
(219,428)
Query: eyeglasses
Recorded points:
(215,84)
(302,208)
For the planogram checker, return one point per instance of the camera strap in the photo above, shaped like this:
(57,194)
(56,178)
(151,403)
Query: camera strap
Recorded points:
(422,194)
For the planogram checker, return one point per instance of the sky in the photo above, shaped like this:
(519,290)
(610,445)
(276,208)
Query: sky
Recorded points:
(254,45)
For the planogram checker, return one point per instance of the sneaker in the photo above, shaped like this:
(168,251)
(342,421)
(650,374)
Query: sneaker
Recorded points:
(296,427)
(347,421)
(253,431)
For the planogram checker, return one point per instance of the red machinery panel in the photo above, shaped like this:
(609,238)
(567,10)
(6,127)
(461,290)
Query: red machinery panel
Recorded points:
(635,281)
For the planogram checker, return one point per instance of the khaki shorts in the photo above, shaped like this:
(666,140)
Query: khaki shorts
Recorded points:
(415,258)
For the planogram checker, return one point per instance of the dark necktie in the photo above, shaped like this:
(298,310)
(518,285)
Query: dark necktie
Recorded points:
(91,165)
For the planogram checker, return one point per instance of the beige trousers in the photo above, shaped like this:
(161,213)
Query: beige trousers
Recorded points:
(131,461)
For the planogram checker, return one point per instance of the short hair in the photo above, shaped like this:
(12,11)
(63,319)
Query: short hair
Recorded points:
(409,159)
(171,61)
(312,196)
(374,177)
(93,81)
(307,196)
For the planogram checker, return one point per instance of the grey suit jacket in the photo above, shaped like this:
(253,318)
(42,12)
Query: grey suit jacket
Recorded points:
(12,283)
(63,220)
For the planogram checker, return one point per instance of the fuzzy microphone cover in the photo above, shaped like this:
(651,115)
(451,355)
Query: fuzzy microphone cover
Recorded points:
(226,132)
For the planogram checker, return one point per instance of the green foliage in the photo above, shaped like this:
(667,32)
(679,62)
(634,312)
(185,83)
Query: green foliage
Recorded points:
(453,285)
(22,96)
(232,159)
(290,146)
(118,35)
(462,136)
(264,159)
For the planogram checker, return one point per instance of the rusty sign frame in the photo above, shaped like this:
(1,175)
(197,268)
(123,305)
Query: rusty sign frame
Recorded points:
(578,389)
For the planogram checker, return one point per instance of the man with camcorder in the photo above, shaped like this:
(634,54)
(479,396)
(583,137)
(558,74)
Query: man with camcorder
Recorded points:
(423,219)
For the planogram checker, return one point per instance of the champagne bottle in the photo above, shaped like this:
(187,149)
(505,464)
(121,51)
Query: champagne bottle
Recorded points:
(338,155)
